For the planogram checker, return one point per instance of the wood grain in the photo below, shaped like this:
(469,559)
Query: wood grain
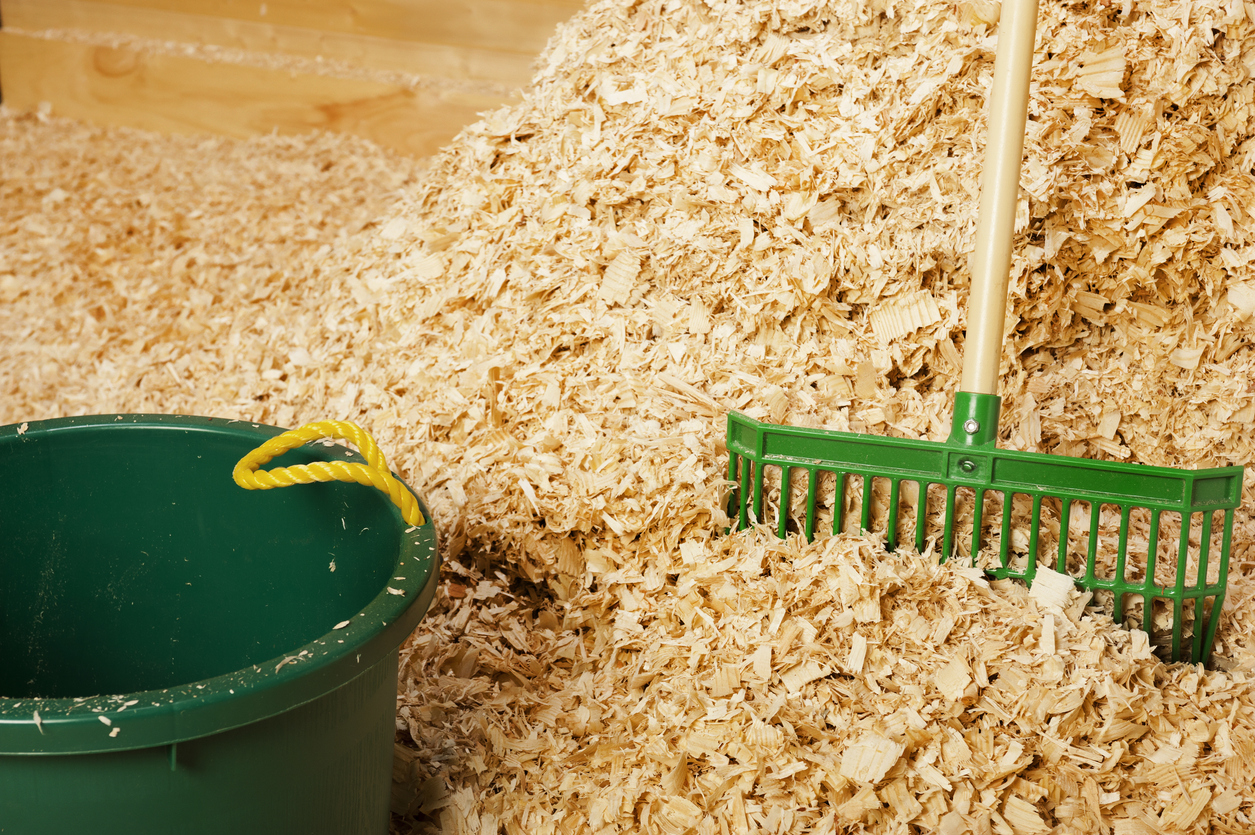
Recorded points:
(466,57)
(175,94)
(520,26)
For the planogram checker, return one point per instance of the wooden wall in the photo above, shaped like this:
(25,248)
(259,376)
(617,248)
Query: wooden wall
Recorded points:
(405,73)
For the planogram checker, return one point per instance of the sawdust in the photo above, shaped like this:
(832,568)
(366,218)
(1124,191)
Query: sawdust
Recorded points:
(700,207)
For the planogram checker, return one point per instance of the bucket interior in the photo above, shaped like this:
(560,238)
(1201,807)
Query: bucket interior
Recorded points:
(131,561)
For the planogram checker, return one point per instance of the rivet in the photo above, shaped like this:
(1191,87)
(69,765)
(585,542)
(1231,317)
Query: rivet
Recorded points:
(967,465)
(971,426)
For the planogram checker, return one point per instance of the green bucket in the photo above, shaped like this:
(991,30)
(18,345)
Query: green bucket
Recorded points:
(174,652)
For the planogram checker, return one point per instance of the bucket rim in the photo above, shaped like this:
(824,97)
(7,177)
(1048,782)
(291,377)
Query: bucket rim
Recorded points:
(166,716)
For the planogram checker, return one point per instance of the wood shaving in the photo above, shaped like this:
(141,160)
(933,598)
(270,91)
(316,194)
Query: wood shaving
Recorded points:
(602,657)
(899,317)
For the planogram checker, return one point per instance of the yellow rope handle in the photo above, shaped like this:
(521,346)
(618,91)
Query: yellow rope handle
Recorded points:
(374,473)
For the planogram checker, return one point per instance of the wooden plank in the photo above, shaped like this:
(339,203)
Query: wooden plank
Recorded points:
(519,26)
(470,62)
(175,94)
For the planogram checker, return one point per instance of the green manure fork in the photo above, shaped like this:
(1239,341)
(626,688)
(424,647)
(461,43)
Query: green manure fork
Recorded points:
(1154,541)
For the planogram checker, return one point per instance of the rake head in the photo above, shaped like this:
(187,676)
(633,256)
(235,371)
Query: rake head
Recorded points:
(1151,543)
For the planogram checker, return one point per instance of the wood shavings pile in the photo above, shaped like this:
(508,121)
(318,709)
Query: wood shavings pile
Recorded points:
(180,274)
(818,688)
(698,207)
(701,208)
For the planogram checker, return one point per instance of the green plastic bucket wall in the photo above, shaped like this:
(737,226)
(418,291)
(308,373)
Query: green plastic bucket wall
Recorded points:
(174,652)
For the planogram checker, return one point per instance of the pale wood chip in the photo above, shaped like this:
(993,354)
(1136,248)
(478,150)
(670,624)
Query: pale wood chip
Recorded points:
(869,758)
